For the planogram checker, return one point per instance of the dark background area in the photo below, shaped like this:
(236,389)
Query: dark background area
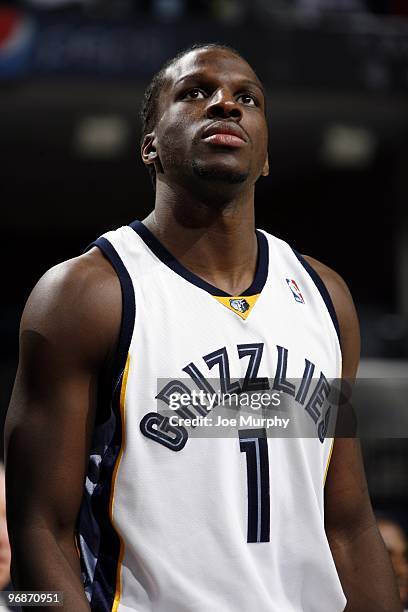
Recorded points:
(72,75)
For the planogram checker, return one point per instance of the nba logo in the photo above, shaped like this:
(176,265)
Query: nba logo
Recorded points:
(295,290)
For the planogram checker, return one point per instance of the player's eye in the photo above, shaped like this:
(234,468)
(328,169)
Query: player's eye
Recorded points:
(248,99)
(195,93)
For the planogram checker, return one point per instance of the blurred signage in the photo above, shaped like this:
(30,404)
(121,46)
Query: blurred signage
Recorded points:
(17,39)
(362,54)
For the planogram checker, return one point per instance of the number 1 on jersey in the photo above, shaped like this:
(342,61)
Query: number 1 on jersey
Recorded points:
(254,443)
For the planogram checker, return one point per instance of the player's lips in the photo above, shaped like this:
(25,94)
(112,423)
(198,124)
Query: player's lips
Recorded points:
(225,134)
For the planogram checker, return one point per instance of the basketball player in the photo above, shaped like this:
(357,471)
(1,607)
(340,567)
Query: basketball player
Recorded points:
(114,503)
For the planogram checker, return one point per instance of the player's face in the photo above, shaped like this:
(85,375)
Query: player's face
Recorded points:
(211,121)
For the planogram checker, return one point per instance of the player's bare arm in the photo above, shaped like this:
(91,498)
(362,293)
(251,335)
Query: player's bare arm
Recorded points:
(357,547)
(68,332)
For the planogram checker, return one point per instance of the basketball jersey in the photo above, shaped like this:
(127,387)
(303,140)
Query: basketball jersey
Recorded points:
(181,516)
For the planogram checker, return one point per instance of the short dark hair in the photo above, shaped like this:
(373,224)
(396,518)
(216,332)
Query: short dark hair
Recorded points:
(150,106)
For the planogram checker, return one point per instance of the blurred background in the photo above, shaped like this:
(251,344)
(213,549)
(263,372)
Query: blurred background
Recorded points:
(72,76)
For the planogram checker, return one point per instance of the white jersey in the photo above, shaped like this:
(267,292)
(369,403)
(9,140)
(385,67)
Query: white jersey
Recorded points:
(182,512)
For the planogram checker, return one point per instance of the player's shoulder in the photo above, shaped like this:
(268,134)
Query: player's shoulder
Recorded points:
(87,277)
(79,299)
(335,284)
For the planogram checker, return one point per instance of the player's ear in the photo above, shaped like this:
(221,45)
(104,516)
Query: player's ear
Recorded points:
(148,149)
(265,169)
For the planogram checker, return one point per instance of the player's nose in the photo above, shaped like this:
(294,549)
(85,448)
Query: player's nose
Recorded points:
(223,104)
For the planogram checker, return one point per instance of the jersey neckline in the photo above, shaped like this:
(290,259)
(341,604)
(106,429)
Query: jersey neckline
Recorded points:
(170,261)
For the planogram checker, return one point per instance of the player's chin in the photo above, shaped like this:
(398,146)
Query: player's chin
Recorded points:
(226,173)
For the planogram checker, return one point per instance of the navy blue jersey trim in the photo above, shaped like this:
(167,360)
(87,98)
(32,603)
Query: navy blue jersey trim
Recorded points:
(107,567)
(262,265)
(128,309)
(169,260)
(322,289)
(99,542)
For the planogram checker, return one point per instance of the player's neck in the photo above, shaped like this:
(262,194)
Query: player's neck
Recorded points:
(216,243)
